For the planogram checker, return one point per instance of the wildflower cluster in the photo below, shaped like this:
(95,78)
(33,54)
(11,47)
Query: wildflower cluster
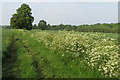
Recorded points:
(99,50)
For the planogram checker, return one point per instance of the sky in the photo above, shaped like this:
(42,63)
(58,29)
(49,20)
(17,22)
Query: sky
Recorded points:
(74,13)
(59,0)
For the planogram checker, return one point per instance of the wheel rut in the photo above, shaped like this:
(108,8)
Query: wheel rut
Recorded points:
(8,63)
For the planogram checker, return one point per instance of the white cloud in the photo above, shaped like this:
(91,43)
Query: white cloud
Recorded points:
(59,0)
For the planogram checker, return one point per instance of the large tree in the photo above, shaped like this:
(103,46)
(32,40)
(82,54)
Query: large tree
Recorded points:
(23,18)
(42,25)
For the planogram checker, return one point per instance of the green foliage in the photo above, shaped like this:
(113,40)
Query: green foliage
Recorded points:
(64,54)
(34,26)
(24,62)
(107,28)
(6,33)
(17,62)
(98,50)
(42,25)
(22,19)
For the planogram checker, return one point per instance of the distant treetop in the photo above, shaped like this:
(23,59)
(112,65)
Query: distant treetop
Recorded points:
(23,19)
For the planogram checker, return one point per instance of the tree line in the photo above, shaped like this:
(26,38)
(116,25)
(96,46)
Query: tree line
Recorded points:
(23,19)
(108,28)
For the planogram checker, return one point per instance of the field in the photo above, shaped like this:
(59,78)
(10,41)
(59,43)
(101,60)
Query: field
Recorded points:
(59,54)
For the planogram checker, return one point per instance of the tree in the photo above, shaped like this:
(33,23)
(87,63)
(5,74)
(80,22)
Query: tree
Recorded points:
(23,18)
(48,26)
(34,26)
(42,25)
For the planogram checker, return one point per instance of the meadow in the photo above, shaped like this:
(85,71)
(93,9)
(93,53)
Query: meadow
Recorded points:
(59,54)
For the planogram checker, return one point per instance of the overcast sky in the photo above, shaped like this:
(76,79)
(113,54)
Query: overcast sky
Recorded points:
(74,13)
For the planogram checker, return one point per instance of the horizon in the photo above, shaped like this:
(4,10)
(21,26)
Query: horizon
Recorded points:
(69,24)
(67,13)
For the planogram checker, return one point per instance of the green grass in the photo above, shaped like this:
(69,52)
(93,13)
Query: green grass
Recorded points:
(35,60)
(52,65)
(24,63)
(17,63)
